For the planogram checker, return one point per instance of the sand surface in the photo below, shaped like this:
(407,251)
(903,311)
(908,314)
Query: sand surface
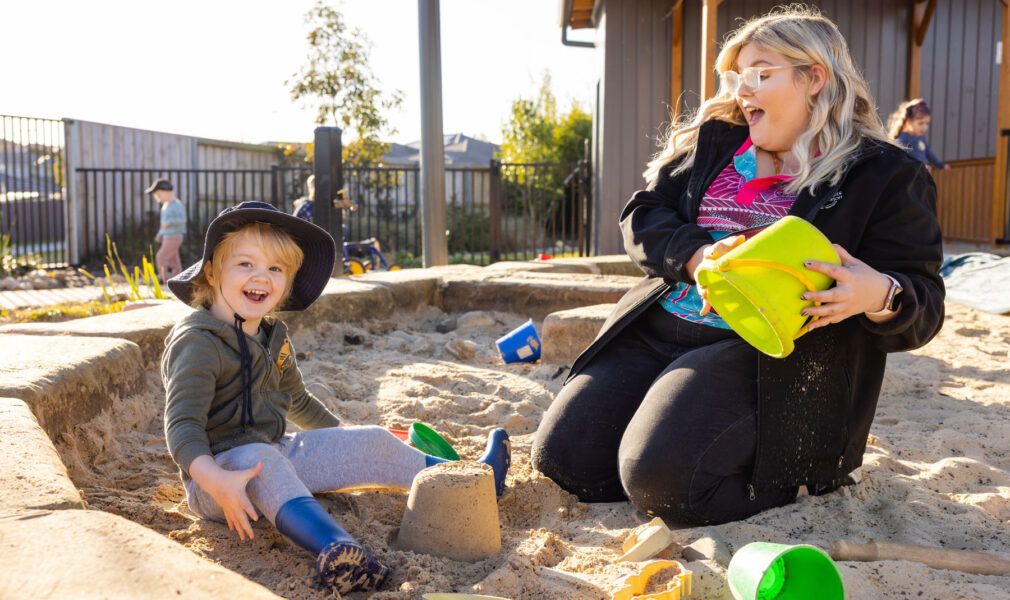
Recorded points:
(937,471)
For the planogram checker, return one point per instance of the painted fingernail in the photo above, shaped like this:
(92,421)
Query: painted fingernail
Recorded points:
(803,297)
(807,263)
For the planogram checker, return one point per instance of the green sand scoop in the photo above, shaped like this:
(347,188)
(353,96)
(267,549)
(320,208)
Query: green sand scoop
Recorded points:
(426,440)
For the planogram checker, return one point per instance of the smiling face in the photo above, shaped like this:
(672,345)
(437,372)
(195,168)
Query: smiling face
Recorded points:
(776,111)
(250,281)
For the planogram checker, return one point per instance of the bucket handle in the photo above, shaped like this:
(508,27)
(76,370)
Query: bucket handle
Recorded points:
(728,263)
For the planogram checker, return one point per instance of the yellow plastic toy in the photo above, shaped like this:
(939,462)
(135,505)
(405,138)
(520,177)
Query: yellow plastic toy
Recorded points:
(679,586)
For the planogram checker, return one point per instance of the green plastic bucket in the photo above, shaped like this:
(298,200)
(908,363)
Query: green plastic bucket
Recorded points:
(426,440)
(766,571)
(756,286)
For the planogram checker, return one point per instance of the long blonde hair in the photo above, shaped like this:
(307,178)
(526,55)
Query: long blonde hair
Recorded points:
(841,113)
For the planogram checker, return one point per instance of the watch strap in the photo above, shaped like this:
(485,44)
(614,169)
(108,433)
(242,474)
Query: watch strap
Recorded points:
(889,304)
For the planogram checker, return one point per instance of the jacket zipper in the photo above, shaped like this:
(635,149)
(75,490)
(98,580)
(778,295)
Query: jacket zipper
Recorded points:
(751,495)
(809,217)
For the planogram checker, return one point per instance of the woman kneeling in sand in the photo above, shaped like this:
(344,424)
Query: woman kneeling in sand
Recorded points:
(669,407)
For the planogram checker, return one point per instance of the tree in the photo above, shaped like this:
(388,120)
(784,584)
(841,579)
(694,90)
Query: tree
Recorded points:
(536,132)
(336,79)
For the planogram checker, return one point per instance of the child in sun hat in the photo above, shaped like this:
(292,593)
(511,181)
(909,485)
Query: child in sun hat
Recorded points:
(232,384)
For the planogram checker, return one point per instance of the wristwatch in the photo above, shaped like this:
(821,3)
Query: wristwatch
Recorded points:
(893,301)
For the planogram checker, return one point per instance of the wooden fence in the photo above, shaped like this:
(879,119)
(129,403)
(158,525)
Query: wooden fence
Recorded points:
(111,165)
(964,200)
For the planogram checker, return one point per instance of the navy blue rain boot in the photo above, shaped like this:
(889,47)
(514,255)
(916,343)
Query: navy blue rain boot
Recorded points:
(344,565)
(497,455)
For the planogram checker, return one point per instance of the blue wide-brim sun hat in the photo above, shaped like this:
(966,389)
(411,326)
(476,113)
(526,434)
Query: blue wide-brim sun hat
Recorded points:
(317,246)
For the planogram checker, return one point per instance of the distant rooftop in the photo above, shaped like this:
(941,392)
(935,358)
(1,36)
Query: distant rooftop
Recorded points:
(460,151)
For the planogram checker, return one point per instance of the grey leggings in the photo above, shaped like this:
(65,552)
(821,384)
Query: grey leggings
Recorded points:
(311,462)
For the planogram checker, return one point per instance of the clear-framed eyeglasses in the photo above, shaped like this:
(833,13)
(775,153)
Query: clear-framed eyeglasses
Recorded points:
(751,77)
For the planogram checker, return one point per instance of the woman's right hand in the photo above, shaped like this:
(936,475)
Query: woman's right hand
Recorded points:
(711,252)
(227,488)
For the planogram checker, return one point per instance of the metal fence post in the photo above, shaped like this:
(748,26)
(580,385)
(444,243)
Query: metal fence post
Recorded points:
(328,169)
(495,204)
(73,203)
(586,191)
(274,182)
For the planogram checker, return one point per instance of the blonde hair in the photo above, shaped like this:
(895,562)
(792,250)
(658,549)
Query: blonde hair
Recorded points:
(841,113)
(272,240)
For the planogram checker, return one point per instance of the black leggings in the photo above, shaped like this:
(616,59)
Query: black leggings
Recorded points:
(665,416)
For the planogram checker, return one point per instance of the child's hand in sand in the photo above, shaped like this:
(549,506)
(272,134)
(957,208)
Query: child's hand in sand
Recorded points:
(711,252)
(859,288)
(228,490)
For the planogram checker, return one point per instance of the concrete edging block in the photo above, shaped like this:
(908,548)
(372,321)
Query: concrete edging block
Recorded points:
(343,299)
(146,327)
(611,264)
(411,288)
(32,475)
(94,554)
(68,379)
(534,295)
(567,333)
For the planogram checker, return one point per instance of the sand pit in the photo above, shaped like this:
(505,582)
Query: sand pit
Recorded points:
(937,471)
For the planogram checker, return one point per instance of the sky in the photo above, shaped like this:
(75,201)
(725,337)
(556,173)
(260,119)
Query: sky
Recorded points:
(217,68)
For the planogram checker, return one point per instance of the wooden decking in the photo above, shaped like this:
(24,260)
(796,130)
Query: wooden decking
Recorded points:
(17,299)
(965,200)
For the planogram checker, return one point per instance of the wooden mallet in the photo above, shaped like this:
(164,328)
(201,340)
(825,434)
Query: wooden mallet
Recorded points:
(980,563)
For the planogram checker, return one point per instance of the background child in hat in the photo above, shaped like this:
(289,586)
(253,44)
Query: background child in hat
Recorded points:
(231,384)
(171,230)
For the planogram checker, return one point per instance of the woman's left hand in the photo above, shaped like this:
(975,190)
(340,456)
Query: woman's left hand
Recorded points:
(858,288)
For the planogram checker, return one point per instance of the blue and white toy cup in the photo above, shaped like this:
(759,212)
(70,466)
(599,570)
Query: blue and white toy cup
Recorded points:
(522,344)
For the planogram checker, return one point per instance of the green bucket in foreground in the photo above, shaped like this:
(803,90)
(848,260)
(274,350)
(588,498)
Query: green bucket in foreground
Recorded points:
(766,571)
(756,287)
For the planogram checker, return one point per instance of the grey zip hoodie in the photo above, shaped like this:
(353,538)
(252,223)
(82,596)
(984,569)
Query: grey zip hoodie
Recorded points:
(201,371)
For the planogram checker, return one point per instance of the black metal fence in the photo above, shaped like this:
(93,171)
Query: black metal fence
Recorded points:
(32,180)
(114,208)
(498,212)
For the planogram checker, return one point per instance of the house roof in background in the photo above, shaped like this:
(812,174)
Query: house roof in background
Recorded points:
(460,150)
(577,14)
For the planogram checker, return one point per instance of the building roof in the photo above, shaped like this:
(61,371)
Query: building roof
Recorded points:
(577,14)
(460,150)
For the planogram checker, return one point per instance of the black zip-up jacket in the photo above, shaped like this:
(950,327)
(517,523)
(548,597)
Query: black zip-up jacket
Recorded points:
(816,405)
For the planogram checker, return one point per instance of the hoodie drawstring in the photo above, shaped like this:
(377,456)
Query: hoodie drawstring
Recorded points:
(246,369)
